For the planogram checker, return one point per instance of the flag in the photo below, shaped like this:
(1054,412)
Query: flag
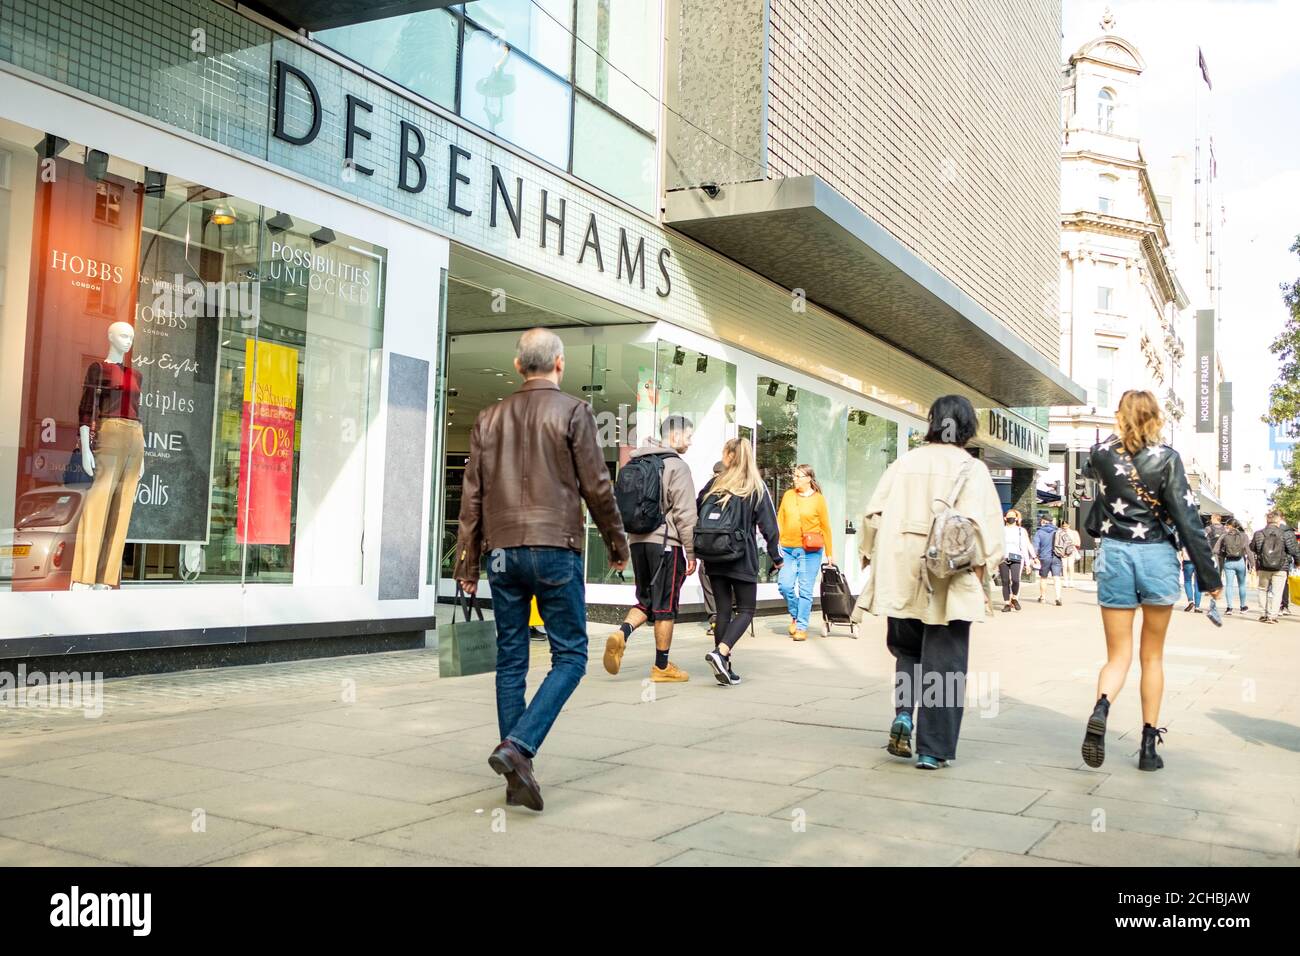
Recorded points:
(1205,71)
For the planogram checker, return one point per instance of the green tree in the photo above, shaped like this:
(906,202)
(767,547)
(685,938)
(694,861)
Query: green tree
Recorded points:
(1284,396)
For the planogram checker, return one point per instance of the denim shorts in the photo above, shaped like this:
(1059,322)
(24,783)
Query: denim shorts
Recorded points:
(1130,573)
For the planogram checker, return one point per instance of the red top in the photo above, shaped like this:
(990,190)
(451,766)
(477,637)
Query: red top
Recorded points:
(111,391)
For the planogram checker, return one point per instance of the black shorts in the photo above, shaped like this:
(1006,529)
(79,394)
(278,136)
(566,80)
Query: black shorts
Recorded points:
(659,577)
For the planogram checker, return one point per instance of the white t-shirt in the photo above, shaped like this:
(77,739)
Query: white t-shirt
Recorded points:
(1015,540)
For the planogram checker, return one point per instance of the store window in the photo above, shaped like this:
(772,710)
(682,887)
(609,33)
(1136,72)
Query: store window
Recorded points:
(574,82)
(417,50)
(1105,376)
(187,384)
(801,426)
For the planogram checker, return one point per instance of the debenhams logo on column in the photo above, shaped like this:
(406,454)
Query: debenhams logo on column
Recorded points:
(73,909)
(626,254)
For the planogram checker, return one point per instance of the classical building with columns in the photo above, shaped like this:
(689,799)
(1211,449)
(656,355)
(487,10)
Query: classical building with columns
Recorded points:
(1127,321)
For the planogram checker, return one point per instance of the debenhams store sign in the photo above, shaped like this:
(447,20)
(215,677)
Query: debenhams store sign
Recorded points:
(1013,437)
(596,244)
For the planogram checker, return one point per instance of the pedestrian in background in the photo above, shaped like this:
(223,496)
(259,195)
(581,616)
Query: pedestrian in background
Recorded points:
(1144,504)
(929,618)
(706,586)
(1071,557)
(734,505)
(1190,586)
(657,481)
(805,524)
(1048,561)
(1016,550)
(534,459)
(1275,548)
(1232,550)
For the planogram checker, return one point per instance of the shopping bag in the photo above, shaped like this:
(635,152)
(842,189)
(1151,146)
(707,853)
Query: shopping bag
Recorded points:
(466,646)
(1293,588)
(534,614)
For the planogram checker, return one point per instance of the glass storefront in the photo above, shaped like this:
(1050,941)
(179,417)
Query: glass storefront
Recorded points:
(187,379)
(631,380)
(574,82)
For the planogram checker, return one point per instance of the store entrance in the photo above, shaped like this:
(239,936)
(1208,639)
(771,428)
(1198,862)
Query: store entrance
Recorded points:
(631,377)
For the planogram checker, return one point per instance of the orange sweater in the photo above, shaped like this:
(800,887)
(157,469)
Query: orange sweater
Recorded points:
(803,513)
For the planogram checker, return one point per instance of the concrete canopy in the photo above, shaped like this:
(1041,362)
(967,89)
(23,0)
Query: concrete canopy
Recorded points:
(802,234)
(326,14)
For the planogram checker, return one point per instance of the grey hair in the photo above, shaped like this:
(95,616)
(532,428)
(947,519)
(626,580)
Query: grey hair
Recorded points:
(538,351)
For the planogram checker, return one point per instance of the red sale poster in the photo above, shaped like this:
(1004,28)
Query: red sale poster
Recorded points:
(266,443)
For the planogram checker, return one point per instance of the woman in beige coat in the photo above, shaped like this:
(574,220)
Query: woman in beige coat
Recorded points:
(929,618)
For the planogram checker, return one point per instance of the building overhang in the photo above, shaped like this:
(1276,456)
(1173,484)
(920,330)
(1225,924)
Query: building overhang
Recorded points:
(326,14)
(802,234)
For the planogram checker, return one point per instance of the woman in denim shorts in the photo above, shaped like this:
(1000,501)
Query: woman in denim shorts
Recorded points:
(1143,513)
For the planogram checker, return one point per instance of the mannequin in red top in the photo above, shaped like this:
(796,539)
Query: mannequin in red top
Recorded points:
(112,453)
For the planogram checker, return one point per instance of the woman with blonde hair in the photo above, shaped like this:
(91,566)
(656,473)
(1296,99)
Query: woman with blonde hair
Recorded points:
(732,505)
(1144,513)
(805,523)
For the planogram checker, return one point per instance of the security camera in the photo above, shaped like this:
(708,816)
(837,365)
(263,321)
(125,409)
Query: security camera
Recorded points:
(711,190)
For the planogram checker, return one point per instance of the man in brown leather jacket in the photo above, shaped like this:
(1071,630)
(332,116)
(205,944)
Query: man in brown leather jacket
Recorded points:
(533,460)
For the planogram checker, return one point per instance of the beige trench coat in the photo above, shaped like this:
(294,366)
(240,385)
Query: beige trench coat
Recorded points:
(896,526)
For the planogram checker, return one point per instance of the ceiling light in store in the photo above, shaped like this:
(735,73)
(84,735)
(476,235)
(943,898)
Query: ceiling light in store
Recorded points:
(790,394)
(280,222)
(323,236)
(155,182)
(702,363)
(96,164)
(679,357)
(772,387)
(223,215)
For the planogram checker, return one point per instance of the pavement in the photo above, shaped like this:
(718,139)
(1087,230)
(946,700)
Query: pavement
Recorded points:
(374,760)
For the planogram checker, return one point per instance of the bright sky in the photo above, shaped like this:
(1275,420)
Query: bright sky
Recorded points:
(1250,52)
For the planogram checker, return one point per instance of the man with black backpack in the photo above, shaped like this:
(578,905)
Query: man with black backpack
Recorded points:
(656,498)
(1274,547)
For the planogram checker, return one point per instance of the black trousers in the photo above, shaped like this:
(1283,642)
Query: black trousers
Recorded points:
(710,606)
(1010,574)
(930,680)
(736,601)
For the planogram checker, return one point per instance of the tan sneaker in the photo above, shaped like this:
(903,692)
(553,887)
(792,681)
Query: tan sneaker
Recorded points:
(801,635)
(794,626)
(672,674)
(615,645)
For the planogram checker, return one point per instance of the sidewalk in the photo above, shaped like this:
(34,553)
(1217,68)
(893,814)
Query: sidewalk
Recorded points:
(275,764)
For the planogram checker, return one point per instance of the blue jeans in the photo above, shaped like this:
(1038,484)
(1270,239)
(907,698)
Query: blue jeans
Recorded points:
(1190,587)
(800,568)
(554,577)
(1235,569)
(1130,573)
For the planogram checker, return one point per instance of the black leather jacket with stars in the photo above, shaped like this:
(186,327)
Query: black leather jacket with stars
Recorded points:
(1146,498)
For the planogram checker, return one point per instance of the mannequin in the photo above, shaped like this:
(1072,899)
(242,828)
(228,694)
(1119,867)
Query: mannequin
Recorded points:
(110,404)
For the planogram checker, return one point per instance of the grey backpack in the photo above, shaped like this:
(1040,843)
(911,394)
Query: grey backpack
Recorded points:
(953,542)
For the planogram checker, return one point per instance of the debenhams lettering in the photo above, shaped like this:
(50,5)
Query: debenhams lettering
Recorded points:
(412,176)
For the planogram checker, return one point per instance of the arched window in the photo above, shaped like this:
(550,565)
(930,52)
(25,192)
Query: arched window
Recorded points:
(1106,111)
(1106,184)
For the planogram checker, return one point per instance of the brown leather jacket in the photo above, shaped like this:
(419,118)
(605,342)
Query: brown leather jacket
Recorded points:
(533,459)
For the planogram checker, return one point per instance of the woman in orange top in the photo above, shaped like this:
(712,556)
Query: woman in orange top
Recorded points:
(805,524)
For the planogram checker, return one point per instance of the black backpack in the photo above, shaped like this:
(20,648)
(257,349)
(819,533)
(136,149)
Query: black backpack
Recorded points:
(720,529)
(1234,544)
(639,492)
(1272,549)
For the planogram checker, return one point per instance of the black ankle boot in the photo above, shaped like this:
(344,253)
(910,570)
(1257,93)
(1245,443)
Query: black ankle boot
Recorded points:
(1148,759)
(1094,739)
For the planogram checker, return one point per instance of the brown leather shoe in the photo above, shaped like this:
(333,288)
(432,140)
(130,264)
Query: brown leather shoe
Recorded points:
(794,626)
(801,635)
(672,674)
(615,645)
(509,761)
